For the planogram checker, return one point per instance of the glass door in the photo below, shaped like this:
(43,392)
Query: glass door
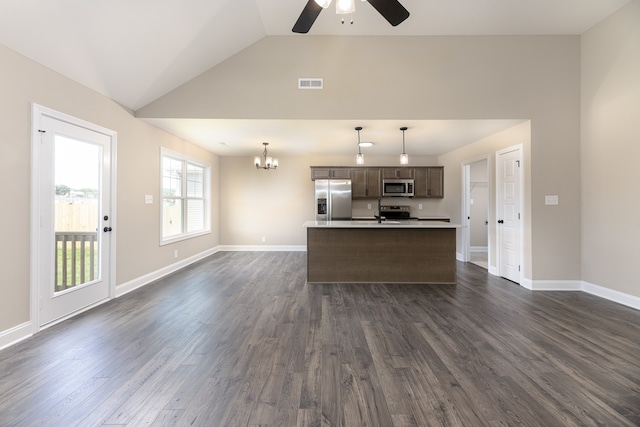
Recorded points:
(75,232)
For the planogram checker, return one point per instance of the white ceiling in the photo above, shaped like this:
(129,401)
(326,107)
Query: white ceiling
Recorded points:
(136,51)
(336,137)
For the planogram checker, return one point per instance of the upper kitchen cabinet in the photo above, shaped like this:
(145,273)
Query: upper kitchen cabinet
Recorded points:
(400,173)
(429,182)
(365,183)
(330,173)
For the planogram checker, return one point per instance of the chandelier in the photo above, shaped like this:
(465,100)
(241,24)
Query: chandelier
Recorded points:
(269,162)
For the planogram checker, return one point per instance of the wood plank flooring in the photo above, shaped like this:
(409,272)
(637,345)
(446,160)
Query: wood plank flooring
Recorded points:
(239,339)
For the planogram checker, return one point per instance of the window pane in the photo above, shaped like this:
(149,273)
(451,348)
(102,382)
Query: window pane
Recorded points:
(171,217)
(171,177)
(195,215)
(185,206)
(77,212)
(195,181)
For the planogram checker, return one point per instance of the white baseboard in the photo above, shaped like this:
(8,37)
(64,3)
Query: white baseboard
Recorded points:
(611,295)
(582,286)
(15,335)
(478,249)
(134,284)
(263,248)
(555,285)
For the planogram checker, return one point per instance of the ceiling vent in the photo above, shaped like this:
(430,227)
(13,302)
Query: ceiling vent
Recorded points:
(310,84)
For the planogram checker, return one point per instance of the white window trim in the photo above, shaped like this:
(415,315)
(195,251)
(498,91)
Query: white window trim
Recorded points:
(207,197)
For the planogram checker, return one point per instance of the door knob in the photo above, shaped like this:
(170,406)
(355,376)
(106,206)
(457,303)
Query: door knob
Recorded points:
(500,221)
(107,229)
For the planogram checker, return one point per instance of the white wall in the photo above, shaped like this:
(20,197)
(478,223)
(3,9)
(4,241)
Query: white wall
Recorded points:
(610,150)
(275,204)
(529,78)
(23,82)
(452,161)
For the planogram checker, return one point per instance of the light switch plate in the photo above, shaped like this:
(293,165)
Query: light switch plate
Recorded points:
(551,200)
(148,199)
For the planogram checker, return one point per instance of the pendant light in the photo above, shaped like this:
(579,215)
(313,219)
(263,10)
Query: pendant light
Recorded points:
(269,162)
(360,156)
(404,159)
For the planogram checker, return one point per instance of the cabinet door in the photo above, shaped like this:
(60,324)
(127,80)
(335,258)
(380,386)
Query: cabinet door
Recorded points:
(341,173)
(358,183)
(320,173)
(365,183)
(435,182)
(420,182)
(373,183)
(399,173)
(329,173)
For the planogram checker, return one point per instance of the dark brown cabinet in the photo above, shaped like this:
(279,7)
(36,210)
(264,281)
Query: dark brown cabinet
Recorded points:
(429,182)
(330,173)
(365,183)
(399,173)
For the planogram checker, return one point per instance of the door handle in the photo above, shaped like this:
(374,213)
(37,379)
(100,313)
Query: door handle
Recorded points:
(106,229)
(500,221)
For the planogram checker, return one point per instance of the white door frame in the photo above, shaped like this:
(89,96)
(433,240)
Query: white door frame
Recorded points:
(466,208)
(520,148)
(37,112)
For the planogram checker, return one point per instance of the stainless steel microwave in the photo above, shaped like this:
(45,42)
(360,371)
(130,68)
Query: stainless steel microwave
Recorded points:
(397,188)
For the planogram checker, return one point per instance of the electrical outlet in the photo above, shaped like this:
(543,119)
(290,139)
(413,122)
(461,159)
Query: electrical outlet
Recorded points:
(551,200)
(369,206)
(175,253)
(264,239)
(419,205)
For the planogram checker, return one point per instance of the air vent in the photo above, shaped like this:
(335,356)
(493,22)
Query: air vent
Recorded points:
(310,83)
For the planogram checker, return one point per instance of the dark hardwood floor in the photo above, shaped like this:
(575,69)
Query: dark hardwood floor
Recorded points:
(239,339)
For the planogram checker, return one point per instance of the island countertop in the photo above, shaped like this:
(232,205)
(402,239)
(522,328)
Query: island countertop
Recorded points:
(383,225)
(400,251)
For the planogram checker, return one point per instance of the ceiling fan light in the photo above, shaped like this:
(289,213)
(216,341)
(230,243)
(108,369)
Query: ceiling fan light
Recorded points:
(345,6)
(323,3)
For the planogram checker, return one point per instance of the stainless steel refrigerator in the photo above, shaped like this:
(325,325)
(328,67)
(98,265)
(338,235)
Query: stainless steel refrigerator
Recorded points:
(333,199)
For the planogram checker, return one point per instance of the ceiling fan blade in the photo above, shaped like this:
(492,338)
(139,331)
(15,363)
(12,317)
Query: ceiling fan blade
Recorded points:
(391,10)
(307,17)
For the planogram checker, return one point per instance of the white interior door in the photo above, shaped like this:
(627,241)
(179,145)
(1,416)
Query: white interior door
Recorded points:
(75,224)
(508,212)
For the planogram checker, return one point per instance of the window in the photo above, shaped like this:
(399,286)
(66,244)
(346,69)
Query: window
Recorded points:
(185,197)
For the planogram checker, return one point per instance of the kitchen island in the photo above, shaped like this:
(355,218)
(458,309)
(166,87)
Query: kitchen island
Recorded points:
(387,252)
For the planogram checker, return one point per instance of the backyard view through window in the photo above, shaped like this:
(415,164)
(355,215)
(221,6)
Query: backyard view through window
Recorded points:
(76,212)
(185,205)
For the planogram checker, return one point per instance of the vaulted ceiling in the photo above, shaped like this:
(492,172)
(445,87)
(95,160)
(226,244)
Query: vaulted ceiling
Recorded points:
(136,51)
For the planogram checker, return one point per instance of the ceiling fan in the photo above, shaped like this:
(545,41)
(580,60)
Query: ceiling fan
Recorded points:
(391,10)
